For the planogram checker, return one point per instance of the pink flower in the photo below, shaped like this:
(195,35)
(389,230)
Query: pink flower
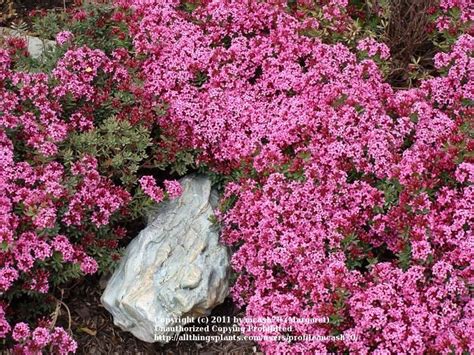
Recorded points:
(173,188)
(4,326)
(89,265)
(21,331)
(465,172)
(82,122)
(148,185)
(64,246)
(8,275)
(373,48)
(41,337)
(64,37)
(62,342)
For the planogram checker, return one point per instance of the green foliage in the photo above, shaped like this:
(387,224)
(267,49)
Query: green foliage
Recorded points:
(339,305)
(391,189)
(42,64)
(292,174)
(119,146)
(228,203)
(189,6)
(358,253)
(213,219)
(28,305)
(404,256)
(183,162)
(218,181)
(169,156)
(95,30)
(48,25)
(179,163)
(107,261)
(139,204)
(200,78)
(354,175)
(108,35)
(61,272)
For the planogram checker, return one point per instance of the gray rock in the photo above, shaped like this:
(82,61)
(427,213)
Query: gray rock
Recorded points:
(175,270)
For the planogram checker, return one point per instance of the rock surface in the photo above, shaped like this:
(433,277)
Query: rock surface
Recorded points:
(174,270)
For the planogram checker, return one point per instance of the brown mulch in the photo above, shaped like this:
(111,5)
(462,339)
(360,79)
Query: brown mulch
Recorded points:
(95,332)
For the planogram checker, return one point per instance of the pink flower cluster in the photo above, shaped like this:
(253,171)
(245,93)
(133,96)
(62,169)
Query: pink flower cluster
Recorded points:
(374,48)
(95,193)
(173,188)
(40,339)
(156,193)
(454,14)
(245,74)
(354,202)
(148,185)
(45,203)
(64,37)
(77,70)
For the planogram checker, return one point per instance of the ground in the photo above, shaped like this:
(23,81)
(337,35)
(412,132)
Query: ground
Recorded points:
(96,334)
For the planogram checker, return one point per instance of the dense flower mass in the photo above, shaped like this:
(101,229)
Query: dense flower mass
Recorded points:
(348,200)
(64,37)
(57,340)
(148,185)
(61,206)
(173,188)
(356,198)
(38,195)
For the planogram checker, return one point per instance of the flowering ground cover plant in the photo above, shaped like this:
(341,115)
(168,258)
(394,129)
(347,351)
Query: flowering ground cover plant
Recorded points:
(75,132)
(344,197)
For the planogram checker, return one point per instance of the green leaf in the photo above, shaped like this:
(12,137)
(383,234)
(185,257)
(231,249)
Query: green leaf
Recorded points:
(4,245)
(404,256)
(467,102)
(414,117)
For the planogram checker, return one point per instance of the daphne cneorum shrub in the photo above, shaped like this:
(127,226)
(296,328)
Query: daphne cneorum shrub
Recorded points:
(75,131)
(349,200)
(346,199)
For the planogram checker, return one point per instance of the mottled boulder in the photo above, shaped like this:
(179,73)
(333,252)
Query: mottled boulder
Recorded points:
(174,270)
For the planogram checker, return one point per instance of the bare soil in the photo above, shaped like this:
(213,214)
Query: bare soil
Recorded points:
(96,334)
